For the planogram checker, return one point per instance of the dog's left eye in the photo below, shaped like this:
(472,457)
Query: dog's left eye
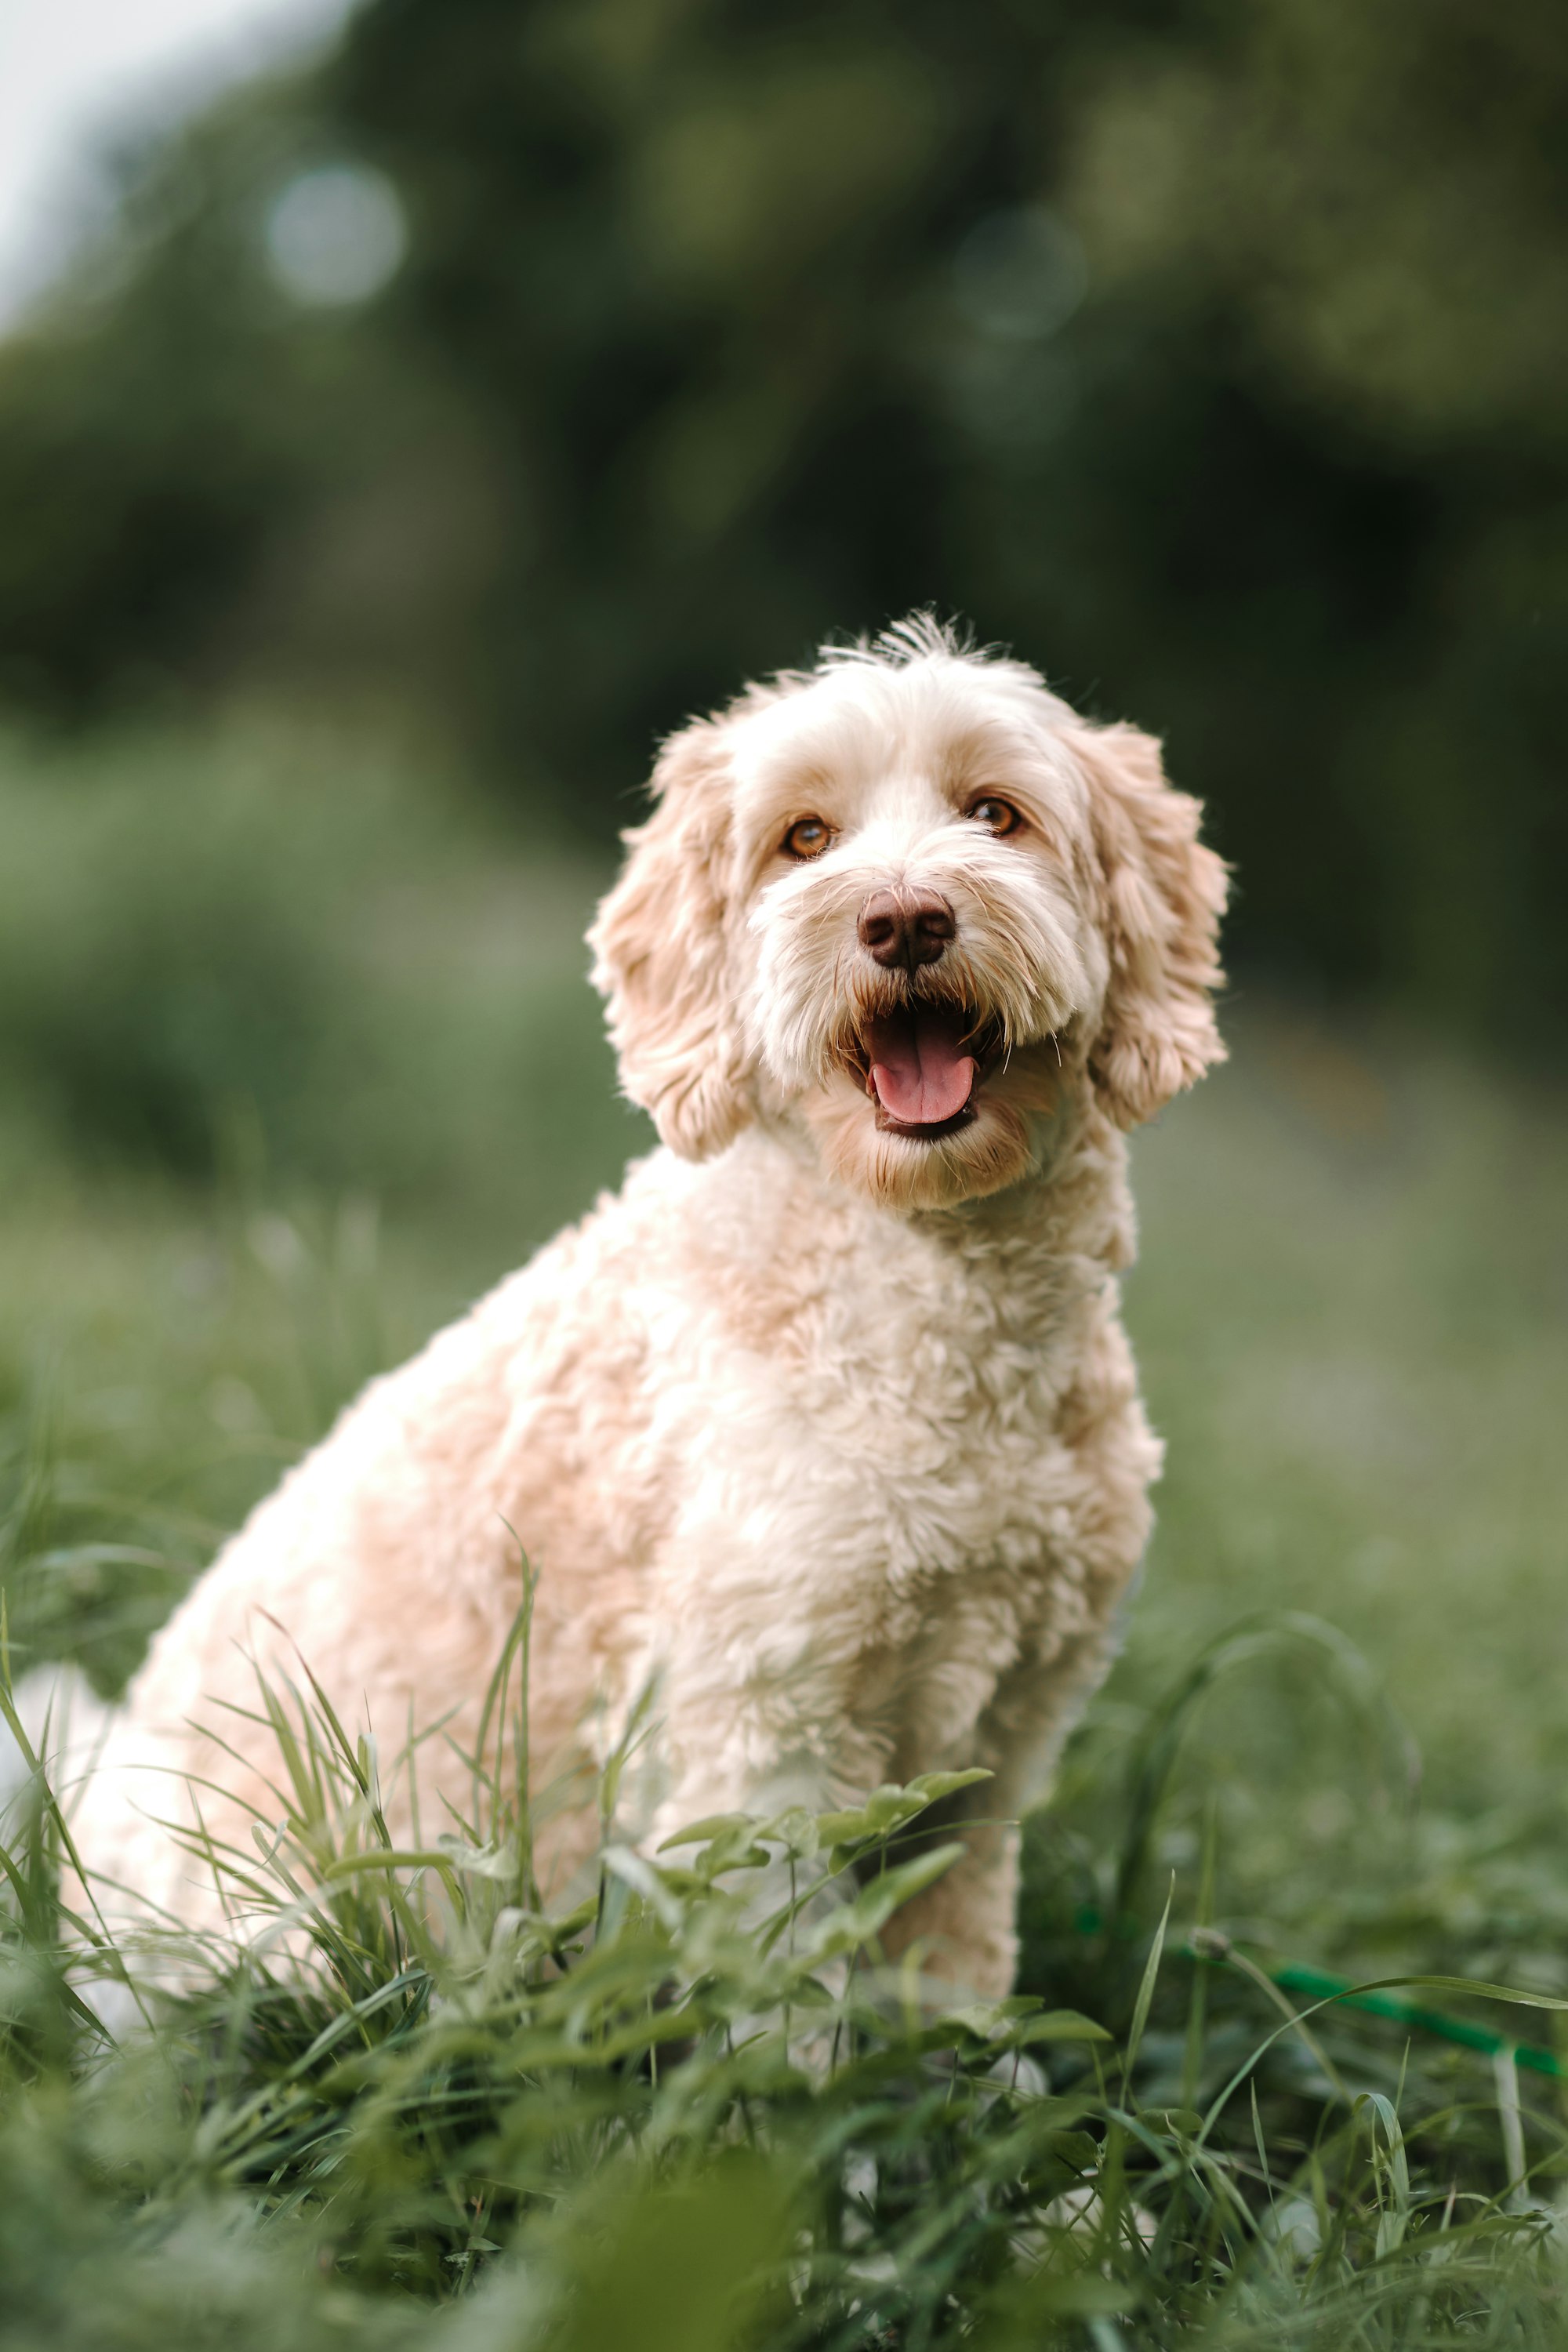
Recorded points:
(1000,815)
(807,838)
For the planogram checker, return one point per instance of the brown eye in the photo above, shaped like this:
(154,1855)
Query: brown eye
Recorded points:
(1000,815)
(807,838)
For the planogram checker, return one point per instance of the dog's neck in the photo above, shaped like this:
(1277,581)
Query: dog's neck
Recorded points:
(1074,1204)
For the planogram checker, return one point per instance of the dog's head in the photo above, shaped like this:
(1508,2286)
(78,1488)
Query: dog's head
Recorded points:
(905,900)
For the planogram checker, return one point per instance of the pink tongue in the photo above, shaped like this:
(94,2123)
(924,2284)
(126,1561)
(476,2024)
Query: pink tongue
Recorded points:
(920,1075)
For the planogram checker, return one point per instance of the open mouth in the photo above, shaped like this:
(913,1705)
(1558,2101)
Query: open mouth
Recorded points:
(924,1065)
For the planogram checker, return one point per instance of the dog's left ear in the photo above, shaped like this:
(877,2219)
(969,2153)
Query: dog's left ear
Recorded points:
(1163,894)
(661,953)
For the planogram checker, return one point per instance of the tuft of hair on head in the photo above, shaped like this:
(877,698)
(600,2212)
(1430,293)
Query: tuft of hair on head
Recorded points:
(661,953)
(1163,894)
(919,637)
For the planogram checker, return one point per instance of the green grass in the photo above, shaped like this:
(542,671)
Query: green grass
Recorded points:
(275,1171)
(696,2109)
(1351,1315)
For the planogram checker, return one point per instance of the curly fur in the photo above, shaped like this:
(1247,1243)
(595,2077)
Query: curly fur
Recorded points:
(831,1430)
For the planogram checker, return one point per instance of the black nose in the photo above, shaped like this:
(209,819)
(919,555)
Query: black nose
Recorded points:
(907,927)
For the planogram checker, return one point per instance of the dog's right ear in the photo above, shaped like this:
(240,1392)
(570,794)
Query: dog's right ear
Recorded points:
(661,953)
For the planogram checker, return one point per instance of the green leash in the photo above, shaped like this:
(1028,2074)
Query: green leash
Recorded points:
(1315,1984)
(1319,1985)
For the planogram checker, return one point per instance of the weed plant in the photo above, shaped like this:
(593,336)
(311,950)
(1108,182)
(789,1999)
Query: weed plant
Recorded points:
(689,2104)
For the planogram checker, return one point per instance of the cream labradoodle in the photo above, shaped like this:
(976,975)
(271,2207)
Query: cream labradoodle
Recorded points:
(825,1423)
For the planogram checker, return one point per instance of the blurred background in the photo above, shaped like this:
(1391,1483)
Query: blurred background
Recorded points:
(407,413)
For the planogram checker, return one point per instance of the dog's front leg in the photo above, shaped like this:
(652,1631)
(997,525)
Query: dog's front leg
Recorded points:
(759,1644)
(963,1925)
(754,1749)
(965,1922)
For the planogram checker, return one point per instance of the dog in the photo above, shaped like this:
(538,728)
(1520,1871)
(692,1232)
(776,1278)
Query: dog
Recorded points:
(825,1425)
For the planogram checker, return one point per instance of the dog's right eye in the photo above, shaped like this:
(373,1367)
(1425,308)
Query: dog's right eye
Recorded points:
(808,836)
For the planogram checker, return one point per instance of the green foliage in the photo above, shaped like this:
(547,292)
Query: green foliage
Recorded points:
(261,987)
(417,2100)
(258,944)
(1209,353)
(1348,1321)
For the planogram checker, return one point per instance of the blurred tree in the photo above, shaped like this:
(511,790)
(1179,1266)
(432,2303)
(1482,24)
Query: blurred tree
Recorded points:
(1208,349)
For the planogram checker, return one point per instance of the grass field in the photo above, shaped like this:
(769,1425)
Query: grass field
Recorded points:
(295,1058)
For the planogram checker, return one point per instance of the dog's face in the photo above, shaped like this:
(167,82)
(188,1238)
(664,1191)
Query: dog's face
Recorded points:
(905,900)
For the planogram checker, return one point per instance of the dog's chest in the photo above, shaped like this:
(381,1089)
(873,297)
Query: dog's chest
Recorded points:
(899,1429)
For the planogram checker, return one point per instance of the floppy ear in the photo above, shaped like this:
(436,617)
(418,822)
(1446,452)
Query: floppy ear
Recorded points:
(1163,895)
(661,953)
